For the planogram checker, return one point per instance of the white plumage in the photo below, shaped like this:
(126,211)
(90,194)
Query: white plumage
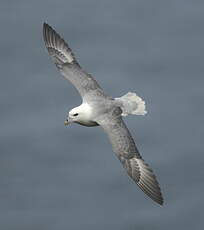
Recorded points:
(132,104)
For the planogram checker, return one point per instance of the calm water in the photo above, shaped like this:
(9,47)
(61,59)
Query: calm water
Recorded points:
(52,177)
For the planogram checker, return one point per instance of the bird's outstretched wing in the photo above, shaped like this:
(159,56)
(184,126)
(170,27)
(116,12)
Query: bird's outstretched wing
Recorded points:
(66,62)
(127,152)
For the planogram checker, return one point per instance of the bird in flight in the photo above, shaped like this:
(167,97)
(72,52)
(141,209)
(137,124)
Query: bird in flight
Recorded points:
(99,109)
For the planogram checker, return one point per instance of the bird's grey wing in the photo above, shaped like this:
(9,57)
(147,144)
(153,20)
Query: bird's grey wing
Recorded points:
(127,152)
(66,62)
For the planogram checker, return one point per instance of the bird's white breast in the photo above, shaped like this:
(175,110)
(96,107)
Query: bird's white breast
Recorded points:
(86,115)
(85,110)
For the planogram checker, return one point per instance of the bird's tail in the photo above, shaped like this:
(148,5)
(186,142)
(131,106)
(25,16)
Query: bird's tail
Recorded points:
(130,103)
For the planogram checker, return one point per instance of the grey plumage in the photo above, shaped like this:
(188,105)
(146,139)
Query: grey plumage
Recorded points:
(65,61)
(127,152)
(105,111)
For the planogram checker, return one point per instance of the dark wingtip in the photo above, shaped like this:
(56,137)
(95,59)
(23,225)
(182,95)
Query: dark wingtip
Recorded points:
(45,25)
(48,33)
(161,202)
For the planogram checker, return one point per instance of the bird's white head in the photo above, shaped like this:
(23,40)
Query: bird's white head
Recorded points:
(80,114)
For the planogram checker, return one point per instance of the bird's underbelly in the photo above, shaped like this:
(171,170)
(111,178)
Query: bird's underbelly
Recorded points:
(88,123)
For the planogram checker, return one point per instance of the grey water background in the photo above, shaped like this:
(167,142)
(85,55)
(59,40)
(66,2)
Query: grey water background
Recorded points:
(56,177)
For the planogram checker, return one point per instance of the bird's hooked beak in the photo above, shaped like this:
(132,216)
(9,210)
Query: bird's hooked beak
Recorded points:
(68,122)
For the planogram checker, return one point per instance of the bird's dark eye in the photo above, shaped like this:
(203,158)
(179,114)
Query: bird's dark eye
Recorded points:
(76,114)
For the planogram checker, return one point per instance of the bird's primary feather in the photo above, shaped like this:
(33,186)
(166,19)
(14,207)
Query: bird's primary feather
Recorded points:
(127,152)
(66,62)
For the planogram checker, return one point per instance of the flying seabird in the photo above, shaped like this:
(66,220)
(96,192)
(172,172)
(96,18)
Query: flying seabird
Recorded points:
(99,109)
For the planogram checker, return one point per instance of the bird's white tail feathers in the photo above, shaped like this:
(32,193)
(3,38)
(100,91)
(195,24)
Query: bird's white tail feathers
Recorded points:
(132,104)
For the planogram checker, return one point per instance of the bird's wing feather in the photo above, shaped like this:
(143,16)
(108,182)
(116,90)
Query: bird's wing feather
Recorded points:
(127,152)
(66,62)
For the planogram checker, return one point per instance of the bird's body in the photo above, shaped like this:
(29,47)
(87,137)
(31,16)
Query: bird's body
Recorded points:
(99,109)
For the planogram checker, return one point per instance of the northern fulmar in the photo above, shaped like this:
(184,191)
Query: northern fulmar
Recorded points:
(99,109)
